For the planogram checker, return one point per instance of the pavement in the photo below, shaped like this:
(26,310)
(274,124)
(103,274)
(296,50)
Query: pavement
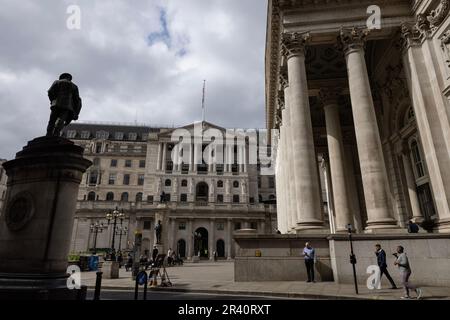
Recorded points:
(218,278)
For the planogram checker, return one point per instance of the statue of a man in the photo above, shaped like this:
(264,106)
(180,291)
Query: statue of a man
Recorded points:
(158,230)
(65,104)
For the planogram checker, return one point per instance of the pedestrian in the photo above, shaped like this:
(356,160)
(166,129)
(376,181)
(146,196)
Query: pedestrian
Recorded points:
(169,256)
(412,227)
(129,264)
(154,254)
(381,260)
(120,259)
(405,272)
(309,253)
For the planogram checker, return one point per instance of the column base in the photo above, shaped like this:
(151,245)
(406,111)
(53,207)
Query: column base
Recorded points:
(315,226)
(443,226)
(383,226)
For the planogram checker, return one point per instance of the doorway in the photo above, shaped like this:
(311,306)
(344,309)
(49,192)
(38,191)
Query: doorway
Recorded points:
(201,243)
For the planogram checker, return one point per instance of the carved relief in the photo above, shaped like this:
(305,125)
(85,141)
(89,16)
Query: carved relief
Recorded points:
(437,16)
(445,46)
(295,43)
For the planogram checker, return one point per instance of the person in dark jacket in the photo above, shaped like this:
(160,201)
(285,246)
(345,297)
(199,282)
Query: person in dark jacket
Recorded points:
(381,260)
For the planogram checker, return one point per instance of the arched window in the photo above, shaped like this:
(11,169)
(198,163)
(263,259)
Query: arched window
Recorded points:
(184,183)
(124,197)
(168,183)
(235,184)
(139,197)
(91,196)
(110,196)
(220,184)
(417,159)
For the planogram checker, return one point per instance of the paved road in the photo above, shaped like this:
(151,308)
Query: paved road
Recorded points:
(108,294)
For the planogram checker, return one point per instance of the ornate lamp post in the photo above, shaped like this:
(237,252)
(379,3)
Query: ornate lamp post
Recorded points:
(352,256)
(113,216)
(121,231)
(96,228)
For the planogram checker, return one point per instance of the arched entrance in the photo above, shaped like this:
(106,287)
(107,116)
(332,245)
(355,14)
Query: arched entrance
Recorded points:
(220,245)
(201,242)
(201,192)
(181,248)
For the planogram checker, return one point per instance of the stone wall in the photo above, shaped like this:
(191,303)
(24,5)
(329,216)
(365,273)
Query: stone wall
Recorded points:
(280,259)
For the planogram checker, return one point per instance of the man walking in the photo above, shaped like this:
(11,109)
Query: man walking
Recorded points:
(381,260)
(405,272)
(309,253)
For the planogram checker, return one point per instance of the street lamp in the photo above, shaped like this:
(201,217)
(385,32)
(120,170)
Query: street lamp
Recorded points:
(352,256)
(96,228)
(121,231)
(113,216)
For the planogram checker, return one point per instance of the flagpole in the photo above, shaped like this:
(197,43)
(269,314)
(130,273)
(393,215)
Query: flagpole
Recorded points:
(203,102)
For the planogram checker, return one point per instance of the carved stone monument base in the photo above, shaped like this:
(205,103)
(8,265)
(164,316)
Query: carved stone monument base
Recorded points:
(110,269)
(37,219)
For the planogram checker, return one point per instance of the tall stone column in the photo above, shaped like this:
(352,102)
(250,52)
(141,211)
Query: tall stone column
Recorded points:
(37,220)
(158,163)
(212,237)
(164,162)
(304,173)
(229,239)
(370,152)
(189,240)
(417,215)
(329,98)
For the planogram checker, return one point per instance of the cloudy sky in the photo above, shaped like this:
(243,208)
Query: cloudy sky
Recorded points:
(139,59)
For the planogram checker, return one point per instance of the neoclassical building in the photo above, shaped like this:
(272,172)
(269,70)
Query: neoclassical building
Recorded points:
(371,103)
(207,203)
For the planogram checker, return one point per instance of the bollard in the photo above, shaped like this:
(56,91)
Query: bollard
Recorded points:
(98,285)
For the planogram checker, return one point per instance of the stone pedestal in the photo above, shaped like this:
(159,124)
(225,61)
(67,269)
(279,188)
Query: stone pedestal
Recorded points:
(110,269)
(37,219)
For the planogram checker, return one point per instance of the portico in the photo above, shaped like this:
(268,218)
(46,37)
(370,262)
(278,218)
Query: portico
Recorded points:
(365,102)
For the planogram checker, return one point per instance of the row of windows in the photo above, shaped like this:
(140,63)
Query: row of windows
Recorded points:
(131,136)
(128,163)
(124,197)
(184,183)
(271,182)
(220,226)
(94,178)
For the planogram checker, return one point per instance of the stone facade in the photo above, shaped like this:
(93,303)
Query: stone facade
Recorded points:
(133,165)
(372,104)
(3,179)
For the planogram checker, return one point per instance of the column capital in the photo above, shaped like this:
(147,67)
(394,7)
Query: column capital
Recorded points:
(294,43)
(351,39)
(329,96)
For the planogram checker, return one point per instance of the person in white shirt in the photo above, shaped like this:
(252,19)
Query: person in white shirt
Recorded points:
(402,263)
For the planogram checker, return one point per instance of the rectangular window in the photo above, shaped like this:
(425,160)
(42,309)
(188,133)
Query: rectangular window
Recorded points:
(183,197)
(271,182)
(259,182)
(237,226)
(220,198)
(150,199)
(71,134)
(182,226)
(254,225)
(85,135)
(93,177)
(119,135)
(126,179)
(147,225)
(98,148)
(127,163)
(220,226)
(132,136)
(112,179)
(141,163)
(113,163)
(141,180)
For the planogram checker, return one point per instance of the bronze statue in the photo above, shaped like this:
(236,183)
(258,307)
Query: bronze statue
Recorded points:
(158,230)
(65,104)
